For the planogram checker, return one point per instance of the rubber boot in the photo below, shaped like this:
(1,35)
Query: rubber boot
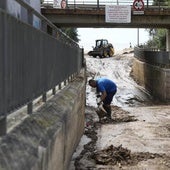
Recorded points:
(108,110)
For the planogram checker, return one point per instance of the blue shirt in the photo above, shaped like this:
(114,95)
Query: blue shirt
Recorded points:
(107,85)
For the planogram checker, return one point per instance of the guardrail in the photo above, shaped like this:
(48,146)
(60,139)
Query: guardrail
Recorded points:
(47,26)
(32,62)
(153,56)
(101,3)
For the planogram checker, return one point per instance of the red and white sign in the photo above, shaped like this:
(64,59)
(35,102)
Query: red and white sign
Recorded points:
(118,13)
(138,6)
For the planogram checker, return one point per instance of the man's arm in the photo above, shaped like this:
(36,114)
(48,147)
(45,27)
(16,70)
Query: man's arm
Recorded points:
(103,96)
(101,89)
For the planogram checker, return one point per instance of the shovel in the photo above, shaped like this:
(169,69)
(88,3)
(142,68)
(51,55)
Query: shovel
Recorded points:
(101,112)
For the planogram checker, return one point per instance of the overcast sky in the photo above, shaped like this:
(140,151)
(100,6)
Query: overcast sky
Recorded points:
(119,37)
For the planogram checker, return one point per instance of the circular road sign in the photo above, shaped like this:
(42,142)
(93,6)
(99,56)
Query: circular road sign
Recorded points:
(138,5)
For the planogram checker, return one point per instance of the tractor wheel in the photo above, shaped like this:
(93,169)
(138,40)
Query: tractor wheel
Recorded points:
(100,56)
(104,53)
(111,52)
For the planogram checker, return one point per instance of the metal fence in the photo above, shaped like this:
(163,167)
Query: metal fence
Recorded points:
(101,3)
(152,56)
(32,62)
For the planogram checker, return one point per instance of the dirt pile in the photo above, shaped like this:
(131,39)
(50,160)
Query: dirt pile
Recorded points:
(118,115)
(120,156)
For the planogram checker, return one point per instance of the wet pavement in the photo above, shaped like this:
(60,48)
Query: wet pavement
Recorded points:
(137,137)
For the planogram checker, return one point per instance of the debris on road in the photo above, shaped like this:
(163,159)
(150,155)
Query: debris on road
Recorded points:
(90,157)
(121,156)
(137,136)
(118,115)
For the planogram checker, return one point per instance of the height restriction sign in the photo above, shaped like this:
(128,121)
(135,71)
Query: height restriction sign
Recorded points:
(138,6)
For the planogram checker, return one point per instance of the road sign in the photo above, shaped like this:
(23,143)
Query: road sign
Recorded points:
(138,5)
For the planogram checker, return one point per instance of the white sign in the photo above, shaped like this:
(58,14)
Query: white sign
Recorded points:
(118,13)
(57,4)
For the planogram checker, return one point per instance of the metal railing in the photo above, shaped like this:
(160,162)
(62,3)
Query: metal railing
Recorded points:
(32,62)
(101,3)
(153,56)
(46,25)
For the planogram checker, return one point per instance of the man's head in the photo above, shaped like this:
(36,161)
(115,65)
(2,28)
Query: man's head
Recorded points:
(92,83)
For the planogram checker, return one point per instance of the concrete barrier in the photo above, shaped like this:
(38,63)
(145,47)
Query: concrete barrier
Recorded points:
(155,79)
(47,139)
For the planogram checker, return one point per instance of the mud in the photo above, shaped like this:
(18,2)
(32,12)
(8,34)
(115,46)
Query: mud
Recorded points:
(138,135)
(112,156)
(121,156)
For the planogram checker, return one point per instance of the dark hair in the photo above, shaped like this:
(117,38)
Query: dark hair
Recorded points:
(91,81)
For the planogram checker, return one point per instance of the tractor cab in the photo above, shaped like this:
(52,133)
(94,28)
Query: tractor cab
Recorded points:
(102,49)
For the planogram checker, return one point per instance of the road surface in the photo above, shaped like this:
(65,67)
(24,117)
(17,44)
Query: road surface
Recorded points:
(140,127)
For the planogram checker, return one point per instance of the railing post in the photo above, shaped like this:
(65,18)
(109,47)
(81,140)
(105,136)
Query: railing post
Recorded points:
(49,30)
(147,3)
(54,91)
(74,4)
(65,82)
(3,4)
(3,126)
(43,26)
(44,97)
(117,2)
(30,108)
(97,4)
(59,86)
(66,3)
(30,17)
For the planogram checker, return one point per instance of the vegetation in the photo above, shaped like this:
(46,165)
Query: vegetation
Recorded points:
(72,33)
(161,2)
(158,36)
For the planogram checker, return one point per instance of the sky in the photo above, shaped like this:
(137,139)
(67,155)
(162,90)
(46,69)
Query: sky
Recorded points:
(119,37)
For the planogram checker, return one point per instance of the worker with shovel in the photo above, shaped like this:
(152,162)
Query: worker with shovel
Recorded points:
(108,89)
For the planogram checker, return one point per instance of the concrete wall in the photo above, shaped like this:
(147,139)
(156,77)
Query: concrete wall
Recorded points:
(47,139)
(153,78)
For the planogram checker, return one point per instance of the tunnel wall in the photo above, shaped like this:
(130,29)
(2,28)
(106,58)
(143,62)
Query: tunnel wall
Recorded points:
(155,79)
(46,139)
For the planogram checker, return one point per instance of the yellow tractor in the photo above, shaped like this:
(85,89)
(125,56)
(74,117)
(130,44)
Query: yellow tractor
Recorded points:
(102,49)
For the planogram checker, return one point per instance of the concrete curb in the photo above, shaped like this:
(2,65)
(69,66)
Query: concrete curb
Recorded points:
(47,139)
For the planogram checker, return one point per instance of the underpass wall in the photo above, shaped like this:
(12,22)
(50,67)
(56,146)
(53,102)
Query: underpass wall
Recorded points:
(155,79)
(46,139)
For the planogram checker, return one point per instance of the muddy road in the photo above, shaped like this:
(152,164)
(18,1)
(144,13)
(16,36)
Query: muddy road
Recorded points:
(137,137)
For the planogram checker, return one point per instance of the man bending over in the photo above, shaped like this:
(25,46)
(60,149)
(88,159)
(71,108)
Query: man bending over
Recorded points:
(108,89)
